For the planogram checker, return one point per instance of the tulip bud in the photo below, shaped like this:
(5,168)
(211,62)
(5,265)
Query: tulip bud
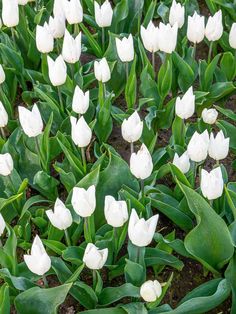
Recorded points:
(10,13)
(116,212)
(150,37)
(2,225)
(71,49)
(103,14)
(3,116)
(184,108)
(198,146)
(214,27)
(80,132)
(209,116)
(212,183)
(167,37)
(44,38)
(219,146)
(182,162)
(196,28)
(132,128)
(73,11)
(57,26)
(140,231)
(93,257)
(2,75)
(61,217)
(151,290)
(84,201)
(57,71)
(232,36)
(102,71)
(176,14)
(80,102)
(38,261)
(31,121)
(125,48)
(6,164)
(58,9)
(141,163)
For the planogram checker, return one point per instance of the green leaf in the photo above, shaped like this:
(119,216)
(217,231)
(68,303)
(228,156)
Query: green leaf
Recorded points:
(210,70)
(154,256)
(131,86)
(164,81)
(5,299)
(178,130)
(230,275)
(92,42)
(186,74)
(46,185)
(228,65)
(55,246)
(134,273)
(20,283)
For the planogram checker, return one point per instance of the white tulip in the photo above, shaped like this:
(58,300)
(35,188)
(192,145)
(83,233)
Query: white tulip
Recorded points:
(80,132)
(2,225)
(31,121)
(61,217)
(196,28)
(73,11)
(80,102)
(44,38)
(6,164)
(38,261)
(93,257)
(132,128)
(176,14)
(209,115)
(58,9)
(167,37)
(182,162)
(57,71)
(102,71)
(57,26)
(71,49)
(151,290)
(212,184)
(3,116)
(141,163)
(219,146)
(141,231)
(214,27)
(116,212)
(22,2)
(185,107)
(125,48)
(10,13)
(198,146)
(103,14)
(84,201)
(232,36)
(150,37)
(2,75)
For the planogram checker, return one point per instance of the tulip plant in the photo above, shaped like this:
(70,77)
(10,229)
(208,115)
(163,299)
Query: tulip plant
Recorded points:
(117,156)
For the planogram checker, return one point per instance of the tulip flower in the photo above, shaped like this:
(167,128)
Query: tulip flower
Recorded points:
(212,183)
(57,71)
(103,14)
(44,38)
(71,49)
(84,201)
(150,39)
(102,71)
(214,27)
(2,225)
(61,217)
(198,146)
(10,13)
(196,28)
(57,26)
(125,48)
(2,75)
(22,2)
(132,129)
(141,163)
(141,231)
(80,102)
(80,132)
(232,36)
(176,14)
(6,164)
(167,37)
(58,9)
(31,121)
(185,107)
(3,116)
(116,212)
(209,115)
(93,257)
(182,162)
(151,290)
(38,261)
(73,11)
(219,146)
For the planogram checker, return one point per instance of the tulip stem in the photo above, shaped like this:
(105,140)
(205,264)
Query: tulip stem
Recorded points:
(211,203)
(100,94)
(1,243)
(115,243)
(60,98)
(132,147)
(87,232)
(127,71)
(45,282)
(194,50)
(138,255)
(217,163)
(39,154)
(210,51)
(142,188)
(153,61)
(13,36)
(68,242)
(76,29)
(94,279)
(103,39)
(3,133)
(84,159)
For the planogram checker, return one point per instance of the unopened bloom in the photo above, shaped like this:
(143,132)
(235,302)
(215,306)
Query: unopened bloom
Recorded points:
(151,290)
(44,38)
(196,28)
(58,9)
(80,132)
(102,71)
(167,37)
(73,11)
(141,163)
(71,49)
(176,14)
(212,183)
(3,116)
(61,217)
(219,146)
(2,75)
(125,48)
(38,261)
(198,146)
(57,26)
(2,225)
(103,14)
(232,36)
(182,162)
(149,37)
(209,115)
(132,128)
(57,70)
(80,102)
(116,212)
(93,257)
(6,164)
(31,121)
(141,231)
(84,201)
(10,13)
(214,27)
(184,108)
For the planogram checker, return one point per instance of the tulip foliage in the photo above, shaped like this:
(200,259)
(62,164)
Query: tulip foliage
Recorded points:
(117,155)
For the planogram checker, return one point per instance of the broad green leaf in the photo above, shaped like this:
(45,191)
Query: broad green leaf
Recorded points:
(5,299)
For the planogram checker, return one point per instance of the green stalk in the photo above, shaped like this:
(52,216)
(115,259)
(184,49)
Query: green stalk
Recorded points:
(45,282)
(210,51)
(84,159)
(127,71)
(3,133)
(131,147)
(100,94)
(142,188)
(68,242)
(60,98)
(103,39)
